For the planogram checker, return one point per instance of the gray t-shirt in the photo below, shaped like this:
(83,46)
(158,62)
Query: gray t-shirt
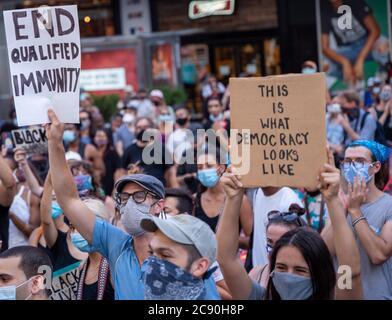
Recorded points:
(376,279)
(258,292)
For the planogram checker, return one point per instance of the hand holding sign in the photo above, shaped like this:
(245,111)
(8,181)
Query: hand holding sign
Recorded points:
(20,157)
(231,183)
(55,129)
(329,178)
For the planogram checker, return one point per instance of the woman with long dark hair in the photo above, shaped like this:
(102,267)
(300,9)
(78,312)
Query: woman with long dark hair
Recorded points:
(301,265)
(210,199)
(278,224)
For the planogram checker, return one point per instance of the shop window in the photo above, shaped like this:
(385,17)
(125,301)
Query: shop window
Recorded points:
(250,60)
(96,17)
(272,57)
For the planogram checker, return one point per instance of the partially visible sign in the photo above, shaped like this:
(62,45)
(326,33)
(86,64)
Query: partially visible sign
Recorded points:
(103,79)
(135,17)
(200,9)
(33,140)
(65,282)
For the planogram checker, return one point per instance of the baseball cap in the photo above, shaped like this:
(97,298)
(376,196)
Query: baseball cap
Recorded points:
(156,93)
(147,182)
(185,229)
(72,155)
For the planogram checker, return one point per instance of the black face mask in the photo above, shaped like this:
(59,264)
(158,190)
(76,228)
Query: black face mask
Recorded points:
(139,136)
(182,121)
(351,113)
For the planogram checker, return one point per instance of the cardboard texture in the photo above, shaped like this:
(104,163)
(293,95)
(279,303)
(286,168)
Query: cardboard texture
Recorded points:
(286,138)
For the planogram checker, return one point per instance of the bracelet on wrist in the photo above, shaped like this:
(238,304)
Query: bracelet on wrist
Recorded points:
(355,222)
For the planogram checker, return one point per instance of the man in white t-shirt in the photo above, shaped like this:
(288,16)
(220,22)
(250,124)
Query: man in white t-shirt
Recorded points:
(263,201)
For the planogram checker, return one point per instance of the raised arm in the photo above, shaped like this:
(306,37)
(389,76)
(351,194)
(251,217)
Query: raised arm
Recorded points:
(7,184)
(347,251)
(235,275)
(32,182)
(67,195)
(49,228)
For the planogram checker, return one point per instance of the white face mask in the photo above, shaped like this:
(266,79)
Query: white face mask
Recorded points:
(9,293)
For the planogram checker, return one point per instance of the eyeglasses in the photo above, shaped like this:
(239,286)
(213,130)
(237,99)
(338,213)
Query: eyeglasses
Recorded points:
(138,196)
(285,216)
(358,163)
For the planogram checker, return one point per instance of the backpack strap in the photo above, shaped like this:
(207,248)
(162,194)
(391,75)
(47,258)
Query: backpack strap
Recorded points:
(363,120)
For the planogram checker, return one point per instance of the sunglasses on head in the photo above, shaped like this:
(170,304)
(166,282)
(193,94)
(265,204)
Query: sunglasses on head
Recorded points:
(284,216)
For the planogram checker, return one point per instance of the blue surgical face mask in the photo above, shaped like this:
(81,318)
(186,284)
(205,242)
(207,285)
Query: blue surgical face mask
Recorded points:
(9,293)
(350,171)
(376,90)
(79,242)
(165,281)
(69,136)
(292,286)
(386,96)
(219,117)
(208,177)
(165,118)
(56,210)
(308,70)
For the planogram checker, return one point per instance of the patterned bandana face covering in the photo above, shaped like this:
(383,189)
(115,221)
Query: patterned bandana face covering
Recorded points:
(165,281)
(351,172)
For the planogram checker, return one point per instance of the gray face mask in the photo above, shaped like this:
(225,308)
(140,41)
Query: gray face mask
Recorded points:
(291,286)
(131,215)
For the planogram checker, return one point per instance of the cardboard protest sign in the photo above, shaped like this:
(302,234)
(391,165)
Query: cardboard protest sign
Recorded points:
(33,140)
(44,56)
(65,282)
(281,135)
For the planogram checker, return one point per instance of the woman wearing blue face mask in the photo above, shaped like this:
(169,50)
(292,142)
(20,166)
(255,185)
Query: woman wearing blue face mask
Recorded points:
(300,263)
(69,250)
(95,279)
(210,199)
(57,233)
(382,111)
(278,224)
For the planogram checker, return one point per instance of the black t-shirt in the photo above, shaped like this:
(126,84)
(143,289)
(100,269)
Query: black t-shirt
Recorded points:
(112,162)
(4,225)
(133,154)
(90,291)
(200,213)
(330,21)
(61,255)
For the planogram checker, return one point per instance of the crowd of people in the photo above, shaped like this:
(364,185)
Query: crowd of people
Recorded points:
(95,219)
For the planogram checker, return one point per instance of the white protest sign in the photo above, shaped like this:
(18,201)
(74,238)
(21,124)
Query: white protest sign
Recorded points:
(33,140)
(103,79)
(44,56)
